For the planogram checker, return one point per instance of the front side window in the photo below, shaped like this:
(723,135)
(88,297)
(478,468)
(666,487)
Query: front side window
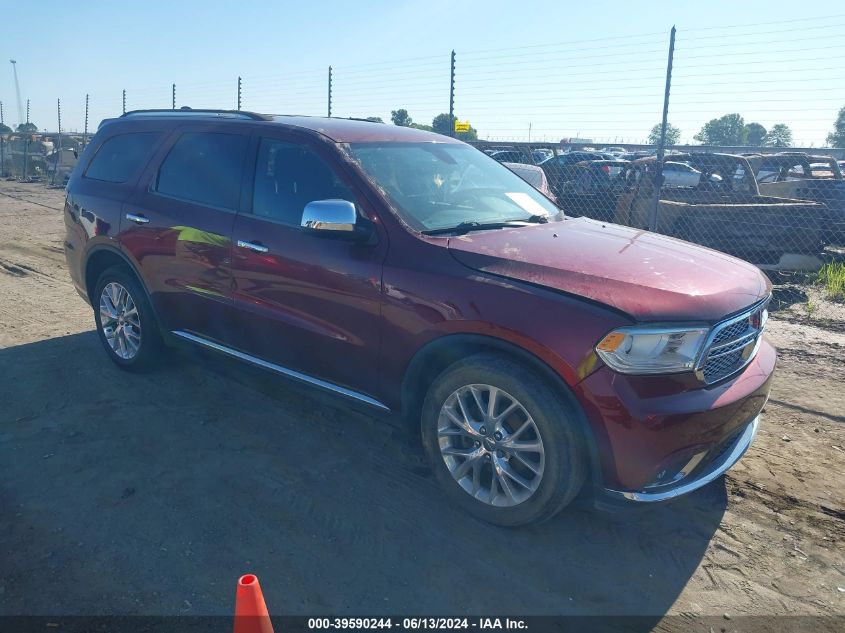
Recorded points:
(204,168)
(436,186)
(122,156)
(289,176)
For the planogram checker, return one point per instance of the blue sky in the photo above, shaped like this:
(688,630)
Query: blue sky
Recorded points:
(561,68)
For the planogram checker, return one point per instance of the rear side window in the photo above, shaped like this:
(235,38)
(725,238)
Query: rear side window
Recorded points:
(205,168)
(122,156)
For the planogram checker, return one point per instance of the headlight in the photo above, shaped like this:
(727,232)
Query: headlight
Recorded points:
(650,350)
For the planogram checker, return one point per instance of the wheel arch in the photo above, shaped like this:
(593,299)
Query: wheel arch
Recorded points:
(102,257)
(99,259)
(433,358)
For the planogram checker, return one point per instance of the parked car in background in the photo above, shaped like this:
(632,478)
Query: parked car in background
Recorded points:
(541,154)
(534,176)
(680,175)
(561,168)
(526,156)
(511,156)
(594,189)
(725,212)
(613,151)
(265,239)
(809,177)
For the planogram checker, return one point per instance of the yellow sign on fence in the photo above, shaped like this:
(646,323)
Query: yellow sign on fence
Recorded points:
(461,126)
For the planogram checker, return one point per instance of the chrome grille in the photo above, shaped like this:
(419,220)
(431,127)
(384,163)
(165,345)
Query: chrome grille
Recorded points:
(732,344)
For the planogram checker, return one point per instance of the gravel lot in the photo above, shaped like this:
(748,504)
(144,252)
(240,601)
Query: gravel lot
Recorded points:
(151,494)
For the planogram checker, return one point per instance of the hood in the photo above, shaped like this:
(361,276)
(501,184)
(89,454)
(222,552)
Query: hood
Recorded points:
(649,276)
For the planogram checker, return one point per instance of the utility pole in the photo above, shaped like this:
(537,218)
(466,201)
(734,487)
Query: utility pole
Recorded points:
(124,101)
(239,93)
(18,91)
(173,97)
(452,95)
(661,148)
(330,92)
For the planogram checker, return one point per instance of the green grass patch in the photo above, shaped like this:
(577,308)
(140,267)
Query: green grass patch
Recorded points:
(832,277)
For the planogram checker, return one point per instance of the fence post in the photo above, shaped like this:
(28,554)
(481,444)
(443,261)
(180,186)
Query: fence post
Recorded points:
(2,145)
(26,145)
(124,101)
(661,147)
(452,95)
(239,93)
(58,153)
(85,132)
(330,92)
(173,97)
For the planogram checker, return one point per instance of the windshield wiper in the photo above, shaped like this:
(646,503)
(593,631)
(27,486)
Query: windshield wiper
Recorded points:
(474,225)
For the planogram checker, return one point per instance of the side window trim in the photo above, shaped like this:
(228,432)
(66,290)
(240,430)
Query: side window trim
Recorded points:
(252,172)
(165,148)
(139,170)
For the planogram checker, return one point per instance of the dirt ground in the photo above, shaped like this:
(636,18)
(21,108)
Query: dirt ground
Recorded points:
(151,494)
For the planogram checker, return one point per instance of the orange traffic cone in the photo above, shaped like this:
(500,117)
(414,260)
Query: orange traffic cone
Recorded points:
(250,611)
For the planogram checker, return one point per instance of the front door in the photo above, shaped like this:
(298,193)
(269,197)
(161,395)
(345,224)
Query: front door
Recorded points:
(308,303)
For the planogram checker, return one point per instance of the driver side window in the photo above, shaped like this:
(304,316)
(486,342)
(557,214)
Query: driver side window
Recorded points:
(287,177)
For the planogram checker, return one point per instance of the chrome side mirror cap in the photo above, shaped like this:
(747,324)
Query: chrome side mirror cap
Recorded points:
(329,217)
(337,219)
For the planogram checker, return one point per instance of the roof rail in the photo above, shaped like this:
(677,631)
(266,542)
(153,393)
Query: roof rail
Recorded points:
(186,111)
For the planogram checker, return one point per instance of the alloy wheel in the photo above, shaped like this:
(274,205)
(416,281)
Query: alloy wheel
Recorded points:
(120,321)
(491,445)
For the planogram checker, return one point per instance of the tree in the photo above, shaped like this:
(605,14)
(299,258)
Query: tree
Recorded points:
(401,117)
(5,129)
(754,133)
(443,125)
(726,130)
(28,128)
(837,137)
(779,136)
(673,134)
(374,119)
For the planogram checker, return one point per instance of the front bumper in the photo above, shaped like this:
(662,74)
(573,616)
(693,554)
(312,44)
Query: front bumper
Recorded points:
(696,478)
(655,437)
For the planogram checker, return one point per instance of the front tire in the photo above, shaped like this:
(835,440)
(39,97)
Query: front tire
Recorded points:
(501,442)
(125,321)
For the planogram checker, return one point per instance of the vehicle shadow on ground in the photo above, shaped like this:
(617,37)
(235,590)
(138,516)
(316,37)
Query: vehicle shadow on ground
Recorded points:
(151,494)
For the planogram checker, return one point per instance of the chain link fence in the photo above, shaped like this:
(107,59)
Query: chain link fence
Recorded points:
(779,210)
(572,118)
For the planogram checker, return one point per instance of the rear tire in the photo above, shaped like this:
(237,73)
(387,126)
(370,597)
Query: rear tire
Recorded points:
(126,324)
(518,461)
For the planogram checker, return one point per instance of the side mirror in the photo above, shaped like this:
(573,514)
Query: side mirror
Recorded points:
(334,218)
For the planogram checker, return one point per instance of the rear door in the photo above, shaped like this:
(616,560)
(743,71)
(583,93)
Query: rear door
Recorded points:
(308,303)
(178,226)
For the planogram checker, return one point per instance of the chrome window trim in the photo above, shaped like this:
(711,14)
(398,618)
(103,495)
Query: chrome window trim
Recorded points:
(284,371)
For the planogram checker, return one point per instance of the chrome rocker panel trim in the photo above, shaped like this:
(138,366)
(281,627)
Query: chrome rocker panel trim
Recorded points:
(284,371)
(714,470)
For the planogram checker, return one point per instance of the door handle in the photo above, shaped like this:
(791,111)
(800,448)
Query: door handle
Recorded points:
(253,246)
(137,218)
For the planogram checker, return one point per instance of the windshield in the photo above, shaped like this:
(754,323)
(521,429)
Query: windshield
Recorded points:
(438,186)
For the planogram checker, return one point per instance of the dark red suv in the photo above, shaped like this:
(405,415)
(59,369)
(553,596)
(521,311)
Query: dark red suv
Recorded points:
(410,272)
